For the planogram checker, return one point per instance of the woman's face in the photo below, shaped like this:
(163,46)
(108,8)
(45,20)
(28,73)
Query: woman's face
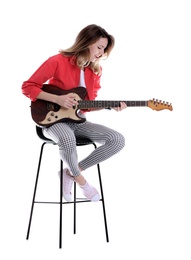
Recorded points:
(97,49)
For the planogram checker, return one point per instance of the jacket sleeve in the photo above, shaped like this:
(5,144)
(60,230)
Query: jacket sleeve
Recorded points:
(32,87)
(92,86)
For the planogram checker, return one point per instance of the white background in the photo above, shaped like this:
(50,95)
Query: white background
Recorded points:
(147,185)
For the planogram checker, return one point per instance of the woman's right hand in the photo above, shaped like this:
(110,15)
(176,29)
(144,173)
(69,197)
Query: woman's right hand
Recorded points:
(67,101)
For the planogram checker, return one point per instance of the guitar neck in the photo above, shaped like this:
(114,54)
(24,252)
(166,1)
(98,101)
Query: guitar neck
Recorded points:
(86,104)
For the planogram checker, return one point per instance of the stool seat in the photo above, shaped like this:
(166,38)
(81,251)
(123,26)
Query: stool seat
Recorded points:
(79,142)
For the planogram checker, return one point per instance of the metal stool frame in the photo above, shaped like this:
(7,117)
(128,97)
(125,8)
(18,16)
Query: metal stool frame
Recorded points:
(79,142)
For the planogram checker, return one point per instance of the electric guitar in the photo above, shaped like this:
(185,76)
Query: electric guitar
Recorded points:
(46,113)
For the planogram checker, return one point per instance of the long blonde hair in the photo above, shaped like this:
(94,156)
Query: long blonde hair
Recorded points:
(79,51)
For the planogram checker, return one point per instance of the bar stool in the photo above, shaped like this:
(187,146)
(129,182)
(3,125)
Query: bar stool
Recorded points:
(79,142)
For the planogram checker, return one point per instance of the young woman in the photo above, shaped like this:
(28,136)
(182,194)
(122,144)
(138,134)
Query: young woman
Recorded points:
(77,66)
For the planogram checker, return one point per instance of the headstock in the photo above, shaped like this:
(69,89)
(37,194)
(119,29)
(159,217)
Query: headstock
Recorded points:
(158,105)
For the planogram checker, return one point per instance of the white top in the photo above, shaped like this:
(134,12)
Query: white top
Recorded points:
(82,80)
(81,84)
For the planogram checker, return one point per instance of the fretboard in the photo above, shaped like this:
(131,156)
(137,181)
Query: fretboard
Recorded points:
(86,104)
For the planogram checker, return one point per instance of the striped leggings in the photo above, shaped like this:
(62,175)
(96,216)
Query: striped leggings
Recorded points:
(64,135)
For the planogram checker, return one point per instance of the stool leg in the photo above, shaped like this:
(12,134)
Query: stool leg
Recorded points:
(103,203)
(61,184)
(74,207)
(102,198)
(35,188)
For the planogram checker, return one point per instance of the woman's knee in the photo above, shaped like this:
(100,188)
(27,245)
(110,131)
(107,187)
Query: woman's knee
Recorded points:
(118,140)
(121,141)
(67,142)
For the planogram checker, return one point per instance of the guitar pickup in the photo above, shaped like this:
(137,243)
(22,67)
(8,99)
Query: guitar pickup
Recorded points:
(52,106)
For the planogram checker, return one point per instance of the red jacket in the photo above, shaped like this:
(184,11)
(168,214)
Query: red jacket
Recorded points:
(59,71)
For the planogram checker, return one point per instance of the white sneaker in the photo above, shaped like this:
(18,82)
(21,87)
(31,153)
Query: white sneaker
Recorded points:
(67,185)
(90,192)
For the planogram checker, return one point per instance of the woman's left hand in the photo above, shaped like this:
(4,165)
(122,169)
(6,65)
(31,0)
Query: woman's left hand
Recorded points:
(122,106)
